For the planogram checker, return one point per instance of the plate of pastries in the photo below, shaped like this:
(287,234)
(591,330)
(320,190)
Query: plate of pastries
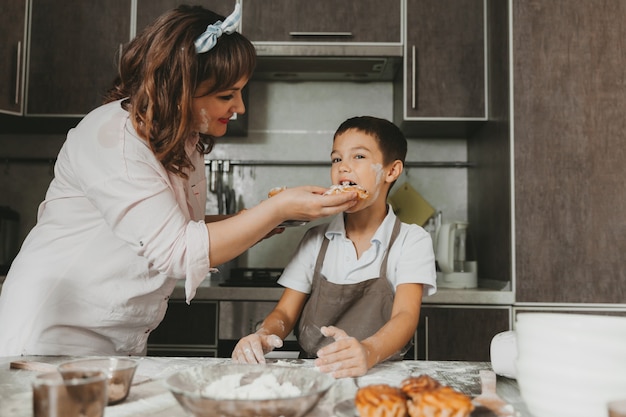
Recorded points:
(417,396)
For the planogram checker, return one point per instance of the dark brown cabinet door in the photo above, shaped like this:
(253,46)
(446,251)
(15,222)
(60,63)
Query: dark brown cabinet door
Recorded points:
(149,10)
(73,53)
(570,189)
(444,59)
(12,55)
(322,20)
(459,333)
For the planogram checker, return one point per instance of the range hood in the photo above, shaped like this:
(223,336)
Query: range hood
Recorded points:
(327,62)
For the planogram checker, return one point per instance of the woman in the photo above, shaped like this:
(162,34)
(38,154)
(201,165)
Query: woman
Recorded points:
(123,219)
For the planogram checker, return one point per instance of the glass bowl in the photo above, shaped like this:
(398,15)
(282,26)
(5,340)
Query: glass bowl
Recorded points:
(119,371)
(240,390)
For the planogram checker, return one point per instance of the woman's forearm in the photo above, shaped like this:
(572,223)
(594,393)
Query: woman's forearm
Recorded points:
(233,235)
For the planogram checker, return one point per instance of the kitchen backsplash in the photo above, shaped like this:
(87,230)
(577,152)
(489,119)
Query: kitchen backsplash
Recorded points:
(287,122)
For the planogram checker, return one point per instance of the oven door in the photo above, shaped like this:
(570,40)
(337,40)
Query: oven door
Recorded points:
(241,318)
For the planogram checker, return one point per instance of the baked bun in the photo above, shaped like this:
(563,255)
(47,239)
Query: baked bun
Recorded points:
(441,402)
(346,188)
(417,384)
(275,191)
(380,400)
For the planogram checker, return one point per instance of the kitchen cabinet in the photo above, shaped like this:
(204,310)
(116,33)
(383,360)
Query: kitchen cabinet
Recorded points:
(149,10)
(444,71)
(568,135)
(322,21)
(186,330)
(70,58)
(12,61)
(451,332)
(489,180)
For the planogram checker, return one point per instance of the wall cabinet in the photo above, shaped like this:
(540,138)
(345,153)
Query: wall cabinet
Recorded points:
(186,330)
(568,75)
(459,332)
(444,64)
(367,21)
(70,59)
(12,55)
(149,10)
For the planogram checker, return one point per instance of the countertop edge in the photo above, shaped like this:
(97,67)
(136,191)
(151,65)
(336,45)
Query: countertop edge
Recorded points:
(208,292)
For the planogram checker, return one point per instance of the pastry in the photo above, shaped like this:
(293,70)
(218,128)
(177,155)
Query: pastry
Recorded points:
(440,402)
(380,400)
(416,384)
(428,398)
(346,187)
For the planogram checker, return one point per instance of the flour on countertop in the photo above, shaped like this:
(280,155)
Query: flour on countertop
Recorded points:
(265,387)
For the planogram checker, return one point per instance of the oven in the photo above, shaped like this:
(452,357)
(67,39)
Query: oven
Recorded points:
(239,318)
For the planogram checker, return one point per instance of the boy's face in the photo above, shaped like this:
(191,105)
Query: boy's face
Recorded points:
(356,158)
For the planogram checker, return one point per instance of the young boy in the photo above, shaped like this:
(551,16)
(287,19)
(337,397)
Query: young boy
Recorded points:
(354,287)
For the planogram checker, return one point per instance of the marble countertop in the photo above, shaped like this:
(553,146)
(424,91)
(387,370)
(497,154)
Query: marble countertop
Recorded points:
(149,396)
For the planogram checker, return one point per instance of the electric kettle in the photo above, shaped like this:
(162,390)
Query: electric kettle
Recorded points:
(450,253)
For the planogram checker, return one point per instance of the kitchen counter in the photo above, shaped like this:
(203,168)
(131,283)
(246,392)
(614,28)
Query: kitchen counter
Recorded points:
(150,398)
(211,290)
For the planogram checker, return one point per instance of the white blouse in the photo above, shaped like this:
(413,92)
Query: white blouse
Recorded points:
(113,236)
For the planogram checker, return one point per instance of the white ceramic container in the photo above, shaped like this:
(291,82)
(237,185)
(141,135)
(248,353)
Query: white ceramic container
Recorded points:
(570,365)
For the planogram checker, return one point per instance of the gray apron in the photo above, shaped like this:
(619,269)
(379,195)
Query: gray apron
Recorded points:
(359,309)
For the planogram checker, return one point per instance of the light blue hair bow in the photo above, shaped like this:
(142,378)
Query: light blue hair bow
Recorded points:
(208,39)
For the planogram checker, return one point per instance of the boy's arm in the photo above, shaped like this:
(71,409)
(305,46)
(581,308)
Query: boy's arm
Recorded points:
(282,319)
(397,332)
(348,357)
(276,326)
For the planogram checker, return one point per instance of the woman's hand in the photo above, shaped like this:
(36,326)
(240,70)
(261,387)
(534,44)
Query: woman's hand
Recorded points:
(309,203)
(252,348)
(345,357)
(261,221)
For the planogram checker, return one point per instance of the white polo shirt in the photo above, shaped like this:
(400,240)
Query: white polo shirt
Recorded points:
(411,259)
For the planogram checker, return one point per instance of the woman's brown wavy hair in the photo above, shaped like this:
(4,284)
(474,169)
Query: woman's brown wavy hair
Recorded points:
(160,71)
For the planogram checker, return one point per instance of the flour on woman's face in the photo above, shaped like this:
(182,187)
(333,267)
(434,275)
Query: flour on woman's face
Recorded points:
(204,121)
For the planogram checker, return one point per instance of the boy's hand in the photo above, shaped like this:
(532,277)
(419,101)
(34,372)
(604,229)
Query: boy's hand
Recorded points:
(252,348)
(345,357)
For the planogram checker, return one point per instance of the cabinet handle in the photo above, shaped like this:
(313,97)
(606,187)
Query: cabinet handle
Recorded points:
(18,76)
(426,338)
(119,57)
(342,34)
(413,77)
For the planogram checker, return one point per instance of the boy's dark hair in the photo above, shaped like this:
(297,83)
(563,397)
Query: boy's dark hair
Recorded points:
(391,140)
